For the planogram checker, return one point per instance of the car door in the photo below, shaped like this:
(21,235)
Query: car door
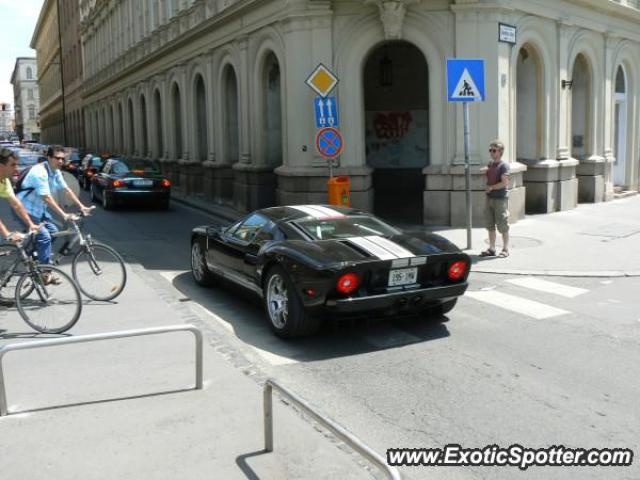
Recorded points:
(229,250)
(102,178)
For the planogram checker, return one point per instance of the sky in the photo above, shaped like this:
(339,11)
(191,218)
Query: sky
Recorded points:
(19,19)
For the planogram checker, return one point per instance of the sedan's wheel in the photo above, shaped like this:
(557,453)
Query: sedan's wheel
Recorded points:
(199,269)
(284,307)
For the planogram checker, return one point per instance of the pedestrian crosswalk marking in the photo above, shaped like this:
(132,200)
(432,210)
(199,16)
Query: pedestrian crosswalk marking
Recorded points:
(516,304)
(548,287)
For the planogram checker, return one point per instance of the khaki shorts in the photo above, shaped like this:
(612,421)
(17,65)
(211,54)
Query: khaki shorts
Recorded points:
(496,214)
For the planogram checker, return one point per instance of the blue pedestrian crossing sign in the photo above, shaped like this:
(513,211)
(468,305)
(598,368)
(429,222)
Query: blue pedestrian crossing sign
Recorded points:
(326,112)
(465,80)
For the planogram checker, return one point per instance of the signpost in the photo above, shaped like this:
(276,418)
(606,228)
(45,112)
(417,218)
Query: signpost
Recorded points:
(326,112)
(465,83)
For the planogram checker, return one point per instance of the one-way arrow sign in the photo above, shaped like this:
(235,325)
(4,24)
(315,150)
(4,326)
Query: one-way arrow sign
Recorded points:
(326,112)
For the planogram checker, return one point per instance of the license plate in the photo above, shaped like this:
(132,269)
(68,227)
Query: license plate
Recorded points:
(403,276)
(142,183)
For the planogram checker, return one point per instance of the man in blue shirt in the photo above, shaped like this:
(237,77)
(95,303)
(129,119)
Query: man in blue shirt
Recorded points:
(36,195)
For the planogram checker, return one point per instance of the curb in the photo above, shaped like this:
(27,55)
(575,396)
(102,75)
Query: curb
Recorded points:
(209,209)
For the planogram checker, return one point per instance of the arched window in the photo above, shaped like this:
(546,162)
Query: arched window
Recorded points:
(177,121)
(158,116)
(201,119)
(143,111)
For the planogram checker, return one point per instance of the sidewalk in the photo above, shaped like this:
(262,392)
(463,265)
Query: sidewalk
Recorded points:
(592,240)
(126,408)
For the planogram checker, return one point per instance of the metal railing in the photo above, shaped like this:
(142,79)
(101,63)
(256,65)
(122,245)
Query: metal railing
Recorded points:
(347,437)
(96,337)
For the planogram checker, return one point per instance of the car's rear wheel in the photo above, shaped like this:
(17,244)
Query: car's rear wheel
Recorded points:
(199,269)
(287,316)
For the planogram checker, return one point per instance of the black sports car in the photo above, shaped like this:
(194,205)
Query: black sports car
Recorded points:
(125,181)
(312,261)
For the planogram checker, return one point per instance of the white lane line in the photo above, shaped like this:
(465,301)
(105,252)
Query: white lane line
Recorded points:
(548,287)
(272,358)
(526,307)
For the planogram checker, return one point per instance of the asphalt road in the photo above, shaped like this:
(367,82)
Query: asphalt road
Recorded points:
(517,361)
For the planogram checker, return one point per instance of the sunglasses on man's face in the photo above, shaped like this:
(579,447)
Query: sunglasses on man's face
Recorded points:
(493,150)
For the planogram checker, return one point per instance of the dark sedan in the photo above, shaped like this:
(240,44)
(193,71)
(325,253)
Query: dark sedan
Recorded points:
(127,181)
(308,262)
(88,168)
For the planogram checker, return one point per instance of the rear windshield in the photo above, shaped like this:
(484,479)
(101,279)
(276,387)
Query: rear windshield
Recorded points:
(345,227)
(137,167)
(28,160)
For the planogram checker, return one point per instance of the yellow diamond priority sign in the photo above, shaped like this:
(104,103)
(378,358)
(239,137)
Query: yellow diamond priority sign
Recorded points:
(322,81)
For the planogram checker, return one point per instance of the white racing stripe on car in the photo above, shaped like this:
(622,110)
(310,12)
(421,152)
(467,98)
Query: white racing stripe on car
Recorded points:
(516,304)
(393,247)
(372,249)
(318,212)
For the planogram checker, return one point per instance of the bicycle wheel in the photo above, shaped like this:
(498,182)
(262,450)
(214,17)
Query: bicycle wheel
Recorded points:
(9,255)
(50,308)
(99,272)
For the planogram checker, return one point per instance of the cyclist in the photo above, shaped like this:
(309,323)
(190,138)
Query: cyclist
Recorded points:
(36,194)
(9,167)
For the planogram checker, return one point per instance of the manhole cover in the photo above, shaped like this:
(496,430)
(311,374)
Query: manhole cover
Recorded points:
(521,242)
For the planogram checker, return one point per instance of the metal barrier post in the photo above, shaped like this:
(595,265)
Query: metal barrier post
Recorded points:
(267,407)
(347,437)
(100,336)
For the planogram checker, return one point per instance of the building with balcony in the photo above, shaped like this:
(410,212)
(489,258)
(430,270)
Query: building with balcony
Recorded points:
(46,42)
(216,91)
(26,98)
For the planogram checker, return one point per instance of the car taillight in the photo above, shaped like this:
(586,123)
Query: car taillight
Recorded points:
(457,270)
(118,183)
(348,283)
(166,183)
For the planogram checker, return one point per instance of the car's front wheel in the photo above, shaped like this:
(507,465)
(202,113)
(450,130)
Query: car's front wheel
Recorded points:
(199,269)
(284,307)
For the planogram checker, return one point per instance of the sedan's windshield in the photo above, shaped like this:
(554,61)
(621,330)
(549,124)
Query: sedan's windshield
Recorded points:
(345,227)
(27,160)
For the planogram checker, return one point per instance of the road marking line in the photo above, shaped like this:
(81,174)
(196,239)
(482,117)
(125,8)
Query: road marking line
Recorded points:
(526,307)
(272,358)
(548,287)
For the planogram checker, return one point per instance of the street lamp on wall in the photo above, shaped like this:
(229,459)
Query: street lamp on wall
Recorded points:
(386,71)
(567,84)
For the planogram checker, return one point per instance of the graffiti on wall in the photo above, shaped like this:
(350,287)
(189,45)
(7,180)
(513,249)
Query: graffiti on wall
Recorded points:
(396,139)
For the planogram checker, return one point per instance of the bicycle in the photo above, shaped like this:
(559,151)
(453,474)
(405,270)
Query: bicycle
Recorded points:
(55,307)
(99,271)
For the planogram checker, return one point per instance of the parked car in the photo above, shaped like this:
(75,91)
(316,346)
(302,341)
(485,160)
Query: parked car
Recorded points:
(72,163)
(124,181)
(308,262)
(89,166)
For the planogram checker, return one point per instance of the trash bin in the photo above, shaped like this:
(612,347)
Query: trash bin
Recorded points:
(339,191)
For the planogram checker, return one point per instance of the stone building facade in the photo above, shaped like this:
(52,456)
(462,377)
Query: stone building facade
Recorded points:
(215,90)
(69,11)
(26,98)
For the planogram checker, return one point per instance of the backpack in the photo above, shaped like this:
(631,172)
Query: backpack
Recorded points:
(23,174)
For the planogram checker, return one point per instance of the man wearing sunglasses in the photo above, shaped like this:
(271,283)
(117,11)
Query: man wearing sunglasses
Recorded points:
(496,210)
(36,194)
